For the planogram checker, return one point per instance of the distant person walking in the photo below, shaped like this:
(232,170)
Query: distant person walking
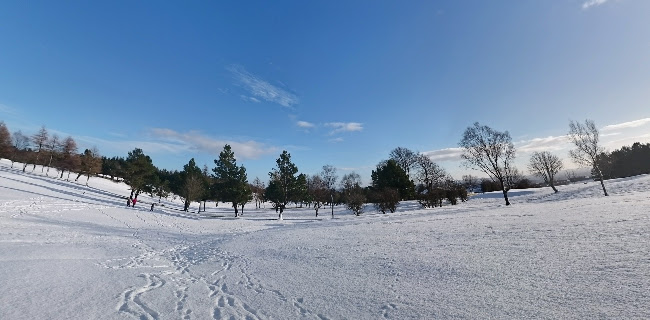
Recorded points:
(152,204)
(134,201)
(128,202)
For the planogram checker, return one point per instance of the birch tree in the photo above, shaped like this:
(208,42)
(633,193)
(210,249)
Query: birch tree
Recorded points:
(545,165)
(587,152)
(492,152)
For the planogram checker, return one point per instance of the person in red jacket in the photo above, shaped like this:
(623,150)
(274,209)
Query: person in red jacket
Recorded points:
(134,201)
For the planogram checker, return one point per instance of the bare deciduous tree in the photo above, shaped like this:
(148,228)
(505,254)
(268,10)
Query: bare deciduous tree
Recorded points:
(492,152)
(428,172)
(53,147)
(545,165)
(353,192)
(69,158)
(258,191)
(328,174)
(318,191)
(39,140)
(471,182)
(91,164)
(585,137)
(405,158)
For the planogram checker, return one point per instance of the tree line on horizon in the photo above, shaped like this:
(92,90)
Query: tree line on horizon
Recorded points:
(405,175)
(49,151)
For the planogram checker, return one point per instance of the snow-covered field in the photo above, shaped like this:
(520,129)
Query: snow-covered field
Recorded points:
(68,251)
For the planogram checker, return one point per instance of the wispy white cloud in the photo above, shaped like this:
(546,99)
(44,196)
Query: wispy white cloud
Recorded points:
(259,88)
(7,109)
(167,141)
(551,143)
(344,127)
(626,125)
(195,141)
(124,146)
(305,124)
(249,99)
(336,140)
(592,3)
(447,154)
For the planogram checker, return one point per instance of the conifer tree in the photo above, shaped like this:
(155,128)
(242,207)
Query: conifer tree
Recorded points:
(20,144)
(230,181)
(283,184)
(5,141)
(138,172)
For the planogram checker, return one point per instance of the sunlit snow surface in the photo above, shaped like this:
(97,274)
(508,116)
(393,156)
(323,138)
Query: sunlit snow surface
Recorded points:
(68,251)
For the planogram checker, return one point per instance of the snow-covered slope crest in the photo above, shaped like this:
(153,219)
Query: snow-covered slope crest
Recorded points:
(71,251)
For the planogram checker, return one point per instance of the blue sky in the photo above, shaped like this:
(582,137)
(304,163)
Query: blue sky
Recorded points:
(332,82)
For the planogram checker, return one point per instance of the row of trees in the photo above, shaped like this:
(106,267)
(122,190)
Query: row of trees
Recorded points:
(625,162)
(406,175)
(48,151)
(493,152)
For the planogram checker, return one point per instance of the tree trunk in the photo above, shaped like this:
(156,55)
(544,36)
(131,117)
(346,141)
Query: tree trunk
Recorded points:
(242,209)
(505,192)
(49,165)
(332,203)
(234,205)
(602,181)
(554,189)
(62,171)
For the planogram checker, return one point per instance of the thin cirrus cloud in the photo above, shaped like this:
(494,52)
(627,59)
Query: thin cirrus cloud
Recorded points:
(260,89)
(195,141)
(627,125)
(339,127)
(592,3)
(251,99)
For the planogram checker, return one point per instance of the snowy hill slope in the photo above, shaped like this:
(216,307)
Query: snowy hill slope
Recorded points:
(70,251)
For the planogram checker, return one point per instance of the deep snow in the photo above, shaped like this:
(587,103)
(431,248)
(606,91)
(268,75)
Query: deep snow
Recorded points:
(69,251)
